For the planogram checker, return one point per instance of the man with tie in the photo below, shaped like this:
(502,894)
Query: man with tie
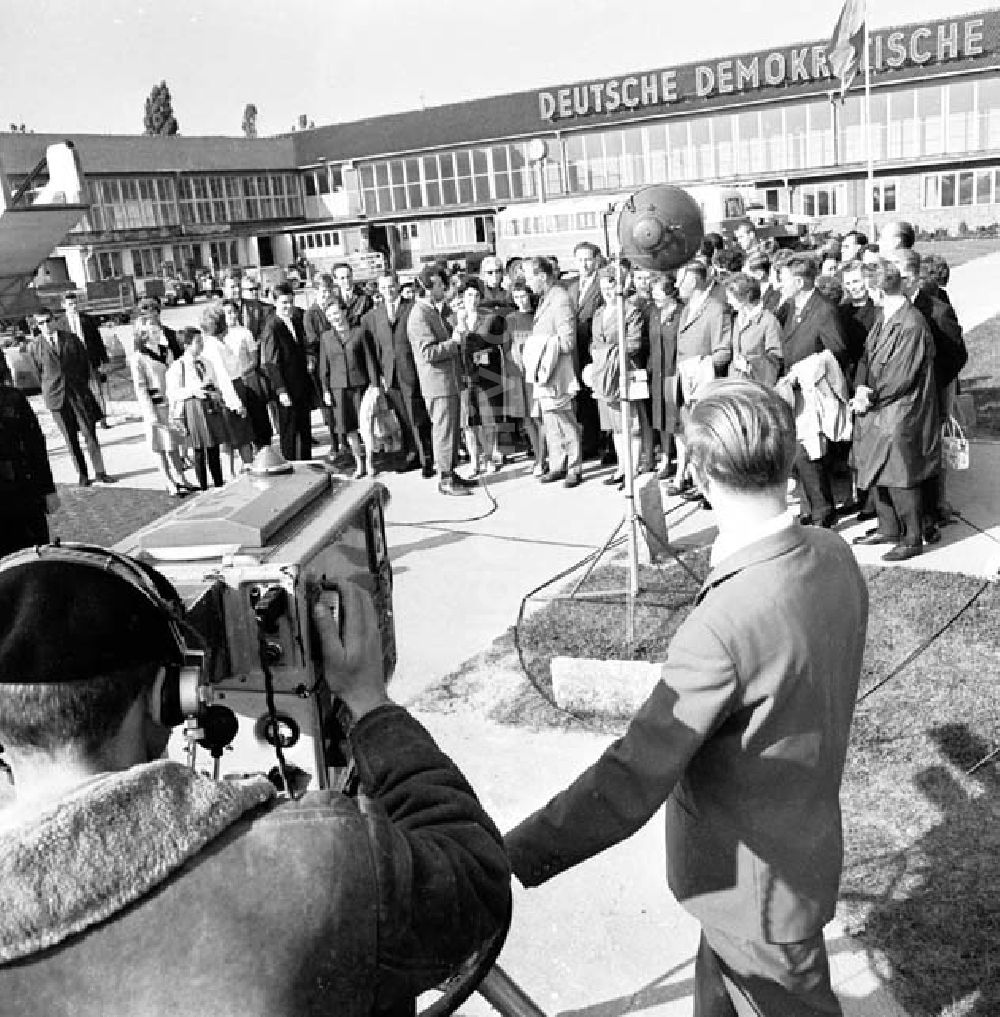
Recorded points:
(386,328)
(585,294)
(812,325)
(87,330)
(251,312)
(438,356)
(357,302)
(63,367)
(283,357)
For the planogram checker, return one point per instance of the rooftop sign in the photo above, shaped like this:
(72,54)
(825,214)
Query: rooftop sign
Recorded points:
(919,45)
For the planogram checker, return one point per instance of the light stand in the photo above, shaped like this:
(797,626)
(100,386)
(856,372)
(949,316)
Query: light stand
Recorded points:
(658,227)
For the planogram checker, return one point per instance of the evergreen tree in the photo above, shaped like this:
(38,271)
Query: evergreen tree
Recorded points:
(159,118)
(250,120)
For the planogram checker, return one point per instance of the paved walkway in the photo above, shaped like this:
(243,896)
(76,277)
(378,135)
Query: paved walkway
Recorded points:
(605,939)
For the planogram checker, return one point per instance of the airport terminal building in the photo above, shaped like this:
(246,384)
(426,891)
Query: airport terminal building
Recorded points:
(429,183)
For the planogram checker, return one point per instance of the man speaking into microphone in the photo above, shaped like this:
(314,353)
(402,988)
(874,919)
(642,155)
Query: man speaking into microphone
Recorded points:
(744,737)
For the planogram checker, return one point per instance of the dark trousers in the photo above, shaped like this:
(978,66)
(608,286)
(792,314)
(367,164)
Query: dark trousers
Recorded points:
(930,498)
(295,430)
(814,484)
(588,418)
(24,526)
(742,978)
(208,457)
(444,414)
(413,422)
(899,513)
(70,426)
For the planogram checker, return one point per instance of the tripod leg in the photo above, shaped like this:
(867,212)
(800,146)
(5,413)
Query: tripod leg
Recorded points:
(598,556)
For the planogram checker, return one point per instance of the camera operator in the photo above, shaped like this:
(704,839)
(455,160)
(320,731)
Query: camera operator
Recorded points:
(132,884)
(744,737)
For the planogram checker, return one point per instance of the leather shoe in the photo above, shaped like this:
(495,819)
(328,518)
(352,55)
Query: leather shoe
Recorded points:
(691,494)
(448,486)
(903,551)
(873,537)
(865,514)
(461,481)
(103,478)
(411,463)
(573,480)
(614,480)
(552,476)
(932,535)
(427,471)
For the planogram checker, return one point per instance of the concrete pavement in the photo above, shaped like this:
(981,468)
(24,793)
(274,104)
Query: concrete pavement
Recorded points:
(607,938)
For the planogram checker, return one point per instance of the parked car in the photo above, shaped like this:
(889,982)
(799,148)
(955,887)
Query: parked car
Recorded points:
(176,290)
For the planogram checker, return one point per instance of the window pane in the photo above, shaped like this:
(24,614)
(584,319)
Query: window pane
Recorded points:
(889,198)
(965,188)
(984,179)
(310,185)
(947,190)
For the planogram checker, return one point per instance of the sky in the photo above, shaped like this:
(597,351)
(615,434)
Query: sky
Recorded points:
(87,66)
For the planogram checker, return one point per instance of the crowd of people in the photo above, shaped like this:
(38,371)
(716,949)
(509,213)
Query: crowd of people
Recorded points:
(859,338)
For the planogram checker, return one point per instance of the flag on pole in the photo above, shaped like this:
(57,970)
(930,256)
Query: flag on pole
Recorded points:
(846,48)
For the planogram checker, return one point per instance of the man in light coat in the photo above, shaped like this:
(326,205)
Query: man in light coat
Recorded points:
(745,736)
(438,356)
(555,321)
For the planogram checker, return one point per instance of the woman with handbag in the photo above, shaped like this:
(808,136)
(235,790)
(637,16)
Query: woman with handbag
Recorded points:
(605,367)
(148,363)
(347,369)
(196,404)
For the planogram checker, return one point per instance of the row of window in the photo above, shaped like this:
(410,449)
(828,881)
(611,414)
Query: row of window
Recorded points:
(480,175)
(137,203)
(907,123)
(965,187)
(313,241)
(148,262)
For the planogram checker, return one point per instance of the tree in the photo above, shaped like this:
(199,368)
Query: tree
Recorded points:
(250,120)
(159,118)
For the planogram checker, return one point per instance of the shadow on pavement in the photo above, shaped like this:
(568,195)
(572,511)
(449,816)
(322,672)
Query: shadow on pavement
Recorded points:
(941,960)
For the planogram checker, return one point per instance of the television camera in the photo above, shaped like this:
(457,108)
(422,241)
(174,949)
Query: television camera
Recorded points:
(247,560)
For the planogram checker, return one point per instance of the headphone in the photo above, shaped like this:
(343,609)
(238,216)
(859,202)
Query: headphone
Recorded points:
(178,690)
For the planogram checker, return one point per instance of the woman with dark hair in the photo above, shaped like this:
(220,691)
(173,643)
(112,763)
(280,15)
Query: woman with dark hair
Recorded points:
(196,403)
(604,348)
(756,333)
(519,324)
(664,319)
(482,334)
(347,367)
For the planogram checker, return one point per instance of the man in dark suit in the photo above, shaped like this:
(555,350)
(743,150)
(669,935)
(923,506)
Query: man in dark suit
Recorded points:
(585,293)
(64,371)
(357,302)
(744,737)
(950,356)
(87,330)
(283,357)
(386,327)
(314,324)
(812,325)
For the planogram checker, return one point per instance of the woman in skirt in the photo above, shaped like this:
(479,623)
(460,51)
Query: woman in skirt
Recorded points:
(148,363)
(196,403)
(347,368)
(252,386)
(229,370)
(522,404)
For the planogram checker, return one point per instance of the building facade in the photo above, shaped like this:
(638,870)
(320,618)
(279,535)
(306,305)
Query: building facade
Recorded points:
(428,183)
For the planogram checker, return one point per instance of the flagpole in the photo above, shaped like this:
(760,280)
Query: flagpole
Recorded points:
(870,151)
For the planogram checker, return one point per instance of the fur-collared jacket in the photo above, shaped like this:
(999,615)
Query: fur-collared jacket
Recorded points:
(158,891)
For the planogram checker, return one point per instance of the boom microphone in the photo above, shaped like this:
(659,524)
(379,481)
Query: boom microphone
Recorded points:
(660,228)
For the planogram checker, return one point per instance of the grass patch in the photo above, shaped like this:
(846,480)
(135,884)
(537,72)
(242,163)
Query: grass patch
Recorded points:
(981,376)
(922,839)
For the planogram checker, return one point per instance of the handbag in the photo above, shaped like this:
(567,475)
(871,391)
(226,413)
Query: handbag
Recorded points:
(954,445)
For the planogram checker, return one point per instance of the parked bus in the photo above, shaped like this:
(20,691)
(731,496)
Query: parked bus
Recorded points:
(556,227)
